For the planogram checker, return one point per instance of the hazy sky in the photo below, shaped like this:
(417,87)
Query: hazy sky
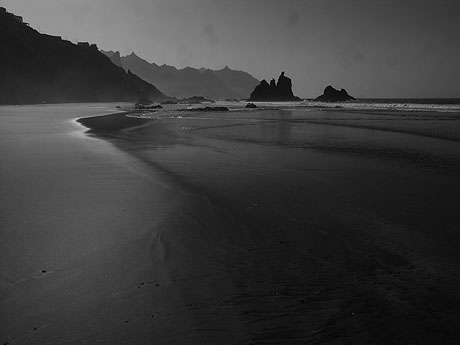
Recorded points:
(373,48)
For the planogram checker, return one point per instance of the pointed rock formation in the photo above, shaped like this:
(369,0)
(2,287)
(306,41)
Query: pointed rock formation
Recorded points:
(280,91)
(331,94)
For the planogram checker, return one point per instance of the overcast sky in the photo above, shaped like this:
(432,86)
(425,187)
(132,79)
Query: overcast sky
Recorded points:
(373,48)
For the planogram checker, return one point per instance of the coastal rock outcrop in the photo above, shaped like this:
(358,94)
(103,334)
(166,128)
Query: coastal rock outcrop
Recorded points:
(331,94)
(209,109)
(280,91)
(205,109)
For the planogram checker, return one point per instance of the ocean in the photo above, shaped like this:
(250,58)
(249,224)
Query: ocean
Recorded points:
(408,104)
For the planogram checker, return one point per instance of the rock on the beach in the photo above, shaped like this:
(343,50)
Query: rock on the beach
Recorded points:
(280,91)
(251,106)
(147,107)
(207,109)
(331,94)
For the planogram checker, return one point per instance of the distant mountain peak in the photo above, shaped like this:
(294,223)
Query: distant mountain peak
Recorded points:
(190,81)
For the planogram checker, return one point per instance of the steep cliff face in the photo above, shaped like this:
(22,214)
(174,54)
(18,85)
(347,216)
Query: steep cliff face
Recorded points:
(331,94)
(280,91)
(188,81)
(39,68)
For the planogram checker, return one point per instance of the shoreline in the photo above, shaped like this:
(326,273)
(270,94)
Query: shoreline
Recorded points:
(112,122)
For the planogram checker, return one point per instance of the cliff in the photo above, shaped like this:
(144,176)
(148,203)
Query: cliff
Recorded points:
(280,91)
(331,94)
(39,68)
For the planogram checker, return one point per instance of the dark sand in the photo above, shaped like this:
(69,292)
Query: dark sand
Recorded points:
(261,227)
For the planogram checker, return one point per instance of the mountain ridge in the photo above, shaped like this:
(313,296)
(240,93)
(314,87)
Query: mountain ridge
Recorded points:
(189,81)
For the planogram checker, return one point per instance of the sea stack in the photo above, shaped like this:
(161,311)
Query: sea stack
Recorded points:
(331,94)
(274,92)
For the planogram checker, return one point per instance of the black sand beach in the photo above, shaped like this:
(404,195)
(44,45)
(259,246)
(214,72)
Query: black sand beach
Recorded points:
(247,227)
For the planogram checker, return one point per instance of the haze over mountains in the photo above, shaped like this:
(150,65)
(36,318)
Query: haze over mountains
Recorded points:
(187,82)
(39,68)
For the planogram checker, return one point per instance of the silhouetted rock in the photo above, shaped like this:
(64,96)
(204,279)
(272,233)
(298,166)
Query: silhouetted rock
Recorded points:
(274,92)
(251,106)
(263,91)
(331,94)
(39,68)
(140,106)
(207,109)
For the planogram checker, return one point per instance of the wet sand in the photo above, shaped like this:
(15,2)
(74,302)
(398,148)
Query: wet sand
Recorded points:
(261,227)
(78,217)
